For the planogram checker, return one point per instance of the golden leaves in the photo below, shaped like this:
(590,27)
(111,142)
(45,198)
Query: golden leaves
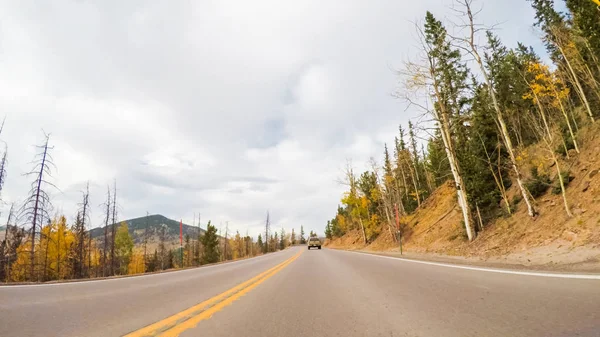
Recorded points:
(546,86)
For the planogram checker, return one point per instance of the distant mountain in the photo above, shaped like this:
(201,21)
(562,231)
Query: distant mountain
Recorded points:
(155,223)
(2,228)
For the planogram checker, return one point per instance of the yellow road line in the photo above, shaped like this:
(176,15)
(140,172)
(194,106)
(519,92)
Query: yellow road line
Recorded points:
(175,324)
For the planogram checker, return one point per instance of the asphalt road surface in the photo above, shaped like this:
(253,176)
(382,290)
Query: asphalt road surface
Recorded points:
(308,293)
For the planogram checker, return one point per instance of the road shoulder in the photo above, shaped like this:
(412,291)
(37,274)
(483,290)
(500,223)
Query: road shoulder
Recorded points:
(591,266)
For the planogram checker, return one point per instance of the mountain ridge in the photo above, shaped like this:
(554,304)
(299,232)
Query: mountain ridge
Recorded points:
(154,222)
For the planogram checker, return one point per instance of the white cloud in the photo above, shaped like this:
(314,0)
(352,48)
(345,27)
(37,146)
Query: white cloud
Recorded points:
(227,108)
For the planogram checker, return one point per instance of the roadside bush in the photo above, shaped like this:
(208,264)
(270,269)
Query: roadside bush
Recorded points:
(516,200)
(538,184)
(567,178)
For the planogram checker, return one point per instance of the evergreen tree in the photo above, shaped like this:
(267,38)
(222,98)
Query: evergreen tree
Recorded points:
(273,243)
(187,248)
(77,255)
(152,263)
(585,19)
(546,18)
(162,249)
(210,242)
(448,75)
(400,176)
(302,239)
(336,231)
(484,140)
(328,232)
(387,164)
(437,162)
(260,242)
(282,243)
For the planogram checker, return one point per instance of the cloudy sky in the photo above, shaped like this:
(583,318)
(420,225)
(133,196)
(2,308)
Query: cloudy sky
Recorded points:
(227,108)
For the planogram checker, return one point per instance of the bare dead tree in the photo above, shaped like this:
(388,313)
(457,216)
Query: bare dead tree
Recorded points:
(84,216)
(6,254)
(35,207)
(560,41)
(146,239)
(350,180)
(497,176)
(106,220)
(58,236)
(3,164)
(267,231)
(422,77)
(549,149)
(199,248)
(469,45)
(386,196)
(113,230)
(226,240)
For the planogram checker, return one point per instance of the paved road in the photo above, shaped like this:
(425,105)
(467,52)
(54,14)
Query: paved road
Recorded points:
(302,293)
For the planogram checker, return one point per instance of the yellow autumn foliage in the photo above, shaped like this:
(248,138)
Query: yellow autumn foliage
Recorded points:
(546,87)
(136,263)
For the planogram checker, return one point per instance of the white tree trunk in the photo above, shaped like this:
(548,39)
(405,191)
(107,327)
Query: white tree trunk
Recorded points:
(564,112)
(497,178)
(412,176)
(577,83)
(506,135)
(561,181)
(362,229)
(458,181)
(499,116)
(387,215)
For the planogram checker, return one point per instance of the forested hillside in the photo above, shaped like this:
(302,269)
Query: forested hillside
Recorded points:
(511,157)
(151,227)
(145,244)
(37,246)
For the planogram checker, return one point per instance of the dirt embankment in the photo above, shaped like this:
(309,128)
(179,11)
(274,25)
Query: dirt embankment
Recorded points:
(552,240)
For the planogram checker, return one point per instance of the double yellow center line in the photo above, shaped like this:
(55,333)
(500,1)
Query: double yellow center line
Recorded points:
(189,318)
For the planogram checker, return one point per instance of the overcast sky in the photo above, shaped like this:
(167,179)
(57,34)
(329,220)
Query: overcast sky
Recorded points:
(227,108)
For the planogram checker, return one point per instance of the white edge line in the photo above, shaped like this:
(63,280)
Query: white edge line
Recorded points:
(490,270)
(8,286)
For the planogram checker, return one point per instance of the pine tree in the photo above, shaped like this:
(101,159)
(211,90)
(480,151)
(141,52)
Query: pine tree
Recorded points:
(302,239)
(483,184)
(259,242)
(400,174)
(445,74)
(282,243)
(273,243)
(472,48)
(558,37)
(546,18)
(78,259)
(162,249)
(328,233)
(210,242)
(188,250)
(267,233)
